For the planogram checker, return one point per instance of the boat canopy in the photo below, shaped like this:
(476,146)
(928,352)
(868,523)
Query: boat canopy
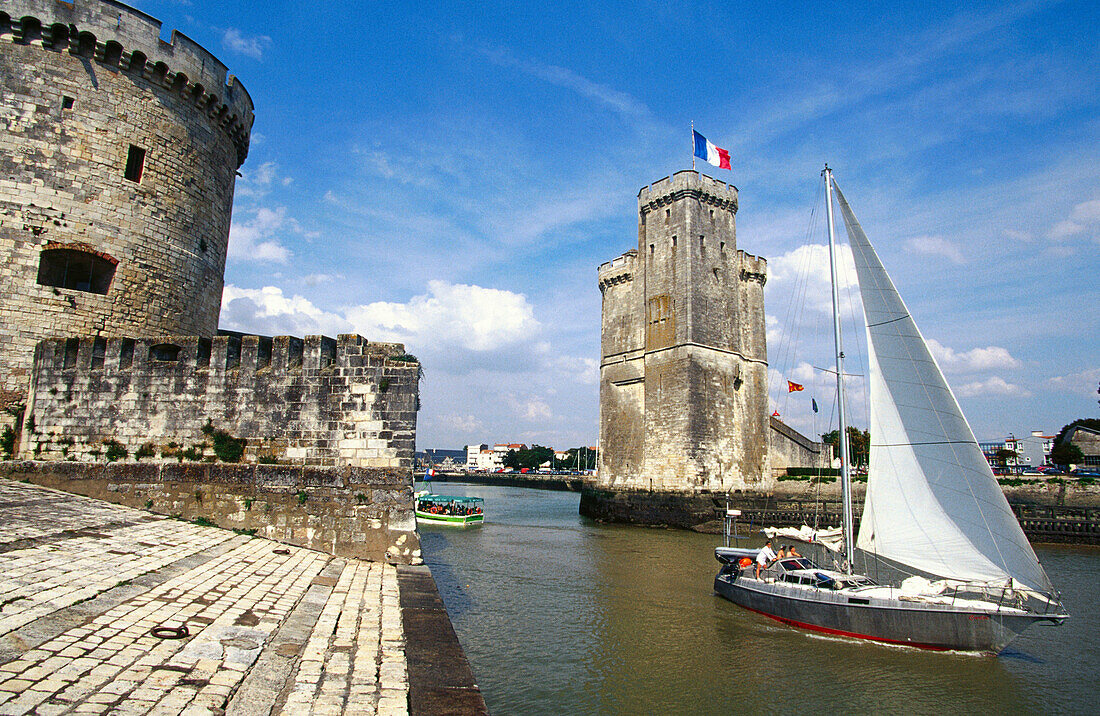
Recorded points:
(450,499)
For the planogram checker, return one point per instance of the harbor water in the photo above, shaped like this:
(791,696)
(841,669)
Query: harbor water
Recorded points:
(559,614)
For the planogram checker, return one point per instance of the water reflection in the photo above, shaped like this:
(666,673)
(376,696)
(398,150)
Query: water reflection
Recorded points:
(559,614)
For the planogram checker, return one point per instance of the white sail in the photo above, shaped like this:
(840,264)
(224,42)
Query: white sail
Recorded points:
(932,501)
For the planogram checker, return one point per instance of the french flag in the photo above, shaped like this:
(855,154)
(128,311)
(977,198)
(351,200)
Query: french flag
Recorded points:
(709,153)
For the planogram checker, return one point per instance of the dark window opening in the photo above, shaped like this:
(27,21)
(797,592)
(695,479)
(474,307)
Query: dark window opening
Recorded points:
(328,351)
(126,353)
(137,63)
(202,354)
(78,270)
(99,352)
(135,163)
(164,352)
(30,30)
(263,352)
(673,242)
(295,351)
(85,46)
(72,347)
(67,102)
(233,353)
(112,54)
(59,36)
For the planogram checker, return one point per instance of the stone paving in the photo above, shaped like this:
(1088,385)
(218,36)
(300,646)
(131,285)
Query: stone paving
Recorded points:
(271,628)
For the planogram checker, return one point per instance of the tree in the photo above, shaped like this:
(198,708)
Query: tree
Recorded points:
(859,444)
(1093,423)
(1065,454)
(511,459)
(577,458)
(1004,455)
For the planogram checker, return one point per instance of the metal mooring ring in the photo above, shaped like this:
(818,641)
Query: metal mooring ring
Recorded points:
(163,632)
(281,551)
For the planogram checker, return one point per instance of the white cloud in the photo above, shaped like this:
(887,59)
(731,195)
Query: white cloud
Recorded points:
(1082,218)
(972,361)
(469,317)
(449,316)
(255,239)
(581,370)
(465,424)
(801,279)
(268,311)
(257,183)
(991,386)
(528,408)
(253,47)
(317,279)
(615,100)
(1084,383)
(935,246)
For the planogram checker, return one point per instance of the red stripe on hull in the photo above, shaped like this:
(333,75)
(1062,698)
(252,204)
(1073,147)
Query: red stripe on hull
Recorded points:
(840,632)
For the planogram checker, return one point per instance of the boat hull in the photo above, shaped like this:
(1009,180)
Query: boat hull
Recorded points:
(887,621)
(430,518)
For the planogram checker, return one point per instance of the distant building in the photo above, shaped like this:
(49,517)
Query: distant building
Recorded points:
(1033,450)
(1088,440)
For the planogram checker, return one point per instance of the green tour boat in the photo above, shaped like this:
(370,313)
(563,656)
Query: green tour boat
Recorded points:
(434,509)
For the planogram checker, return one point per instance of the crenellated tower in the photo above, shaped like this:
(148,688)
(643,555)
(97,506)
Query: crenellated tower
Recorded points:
(118,157)
(683,370)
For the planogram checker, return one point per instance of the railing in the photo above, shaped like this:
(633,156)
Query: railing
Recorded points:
(1041,523)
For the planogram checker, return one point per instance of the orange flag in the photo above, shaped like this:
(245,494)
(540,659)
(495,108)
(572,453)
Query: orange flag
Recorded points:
(792,386)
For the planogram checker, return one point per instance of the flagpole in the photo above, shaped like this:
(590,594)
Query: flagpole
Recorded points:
(693,145)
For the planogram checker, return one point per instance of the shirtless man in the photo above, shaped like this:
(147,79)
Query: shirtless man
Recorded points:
(765,557)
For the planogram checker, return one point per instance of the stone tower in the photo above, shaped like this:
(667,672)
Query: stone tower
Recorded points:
(683,370)
(118,157)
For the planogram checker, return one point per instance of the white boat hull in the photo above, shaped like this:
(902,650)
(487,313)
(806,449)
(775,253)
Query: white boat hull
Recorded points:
(892,621)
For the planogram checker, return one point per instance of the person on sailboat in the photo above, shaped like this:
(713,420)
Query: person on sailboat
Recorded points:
(765,557)
(792,552)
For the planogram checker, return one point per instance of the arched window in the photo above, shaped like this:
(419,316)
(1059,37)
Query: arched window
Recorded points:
(137,63)
(112,54)
(75,269)
(59,36)
(30,30)
(164,352)
(85,46)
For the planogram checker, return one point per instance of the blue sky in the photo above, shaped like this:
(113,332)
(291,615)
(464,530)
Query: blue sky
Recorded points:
(451,175)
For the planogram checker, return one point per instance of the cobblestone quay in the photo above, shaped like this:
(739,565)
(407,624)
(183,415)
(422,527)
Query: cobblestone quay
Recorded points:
(271,628)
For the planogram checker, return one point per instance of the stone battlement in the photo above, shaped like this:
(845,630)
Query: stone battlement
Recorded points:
(619,270)
(687,183)
(227,352)
(119,36)
(306,401)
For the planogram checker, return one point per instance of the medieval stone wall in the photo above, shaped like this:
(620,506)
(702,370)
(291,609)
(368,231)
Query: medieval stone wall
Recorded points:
(316,401)
(789,448)
(118,149)
(364,513)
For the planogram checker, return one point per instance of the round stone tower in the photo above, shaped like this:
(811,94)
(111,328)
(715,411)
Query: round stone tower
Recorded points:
(118,156)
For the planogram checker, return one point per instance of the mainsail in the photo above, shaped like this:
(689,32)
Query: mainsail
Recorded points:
(932,501)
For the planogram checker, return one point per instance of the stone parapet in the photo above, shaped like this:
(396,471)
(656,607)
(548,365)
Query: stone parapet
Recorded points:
(687,184)
(309,401)
(121,37)
(347,512)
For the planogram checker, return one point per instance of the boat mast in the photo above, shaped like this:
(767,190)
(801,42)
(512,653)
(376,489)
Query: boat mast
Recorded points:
(845,475)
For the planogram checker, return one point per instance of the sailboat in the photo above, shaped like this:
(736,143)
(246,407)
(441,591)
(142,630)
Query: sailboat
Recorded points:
(934,517)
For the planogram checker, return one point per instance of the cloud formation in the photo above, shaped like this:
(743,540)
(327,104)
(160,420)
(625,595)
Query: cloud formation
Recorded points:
(972,361)
(991,386)
(256,238)
(935,246)
(253,47)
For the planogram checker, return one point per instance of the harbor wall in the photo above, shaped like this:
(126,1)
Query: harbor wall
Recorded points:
(364,513)
(1055,512)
